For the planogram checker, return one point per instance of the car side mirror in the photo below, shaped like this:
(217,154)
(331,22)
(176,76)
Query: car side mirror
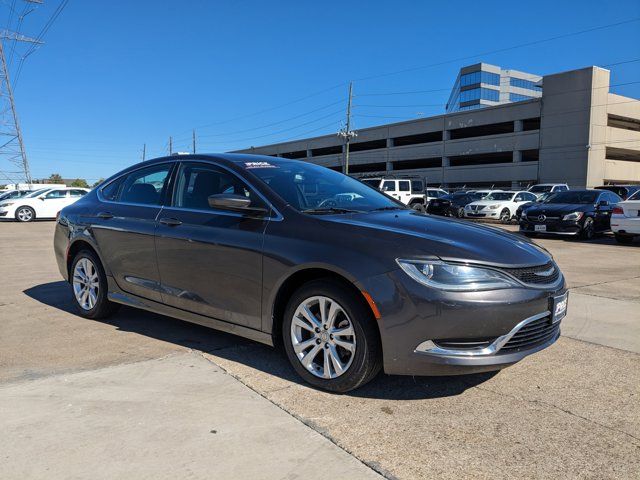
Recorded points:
(42,199)
(235,203)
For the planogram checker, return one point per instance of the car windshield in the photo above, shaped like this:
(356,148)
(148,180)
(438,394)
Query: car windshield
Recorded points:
(543,198)
(540,188)
(635,196)
(583,197)
(499,196)
(35,193)
(312,188)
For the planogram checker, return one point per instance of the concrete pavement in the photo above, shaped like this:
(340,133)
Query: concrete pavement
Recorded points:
(71,390)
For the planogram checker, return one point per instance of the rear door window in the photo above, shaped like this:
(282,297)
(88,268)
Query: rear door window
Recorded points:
(56,194)
(388,186)
(404,186)
(144,186)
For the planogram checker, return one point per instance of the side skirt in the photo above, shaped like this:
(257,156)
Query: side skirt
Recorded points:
(118,296)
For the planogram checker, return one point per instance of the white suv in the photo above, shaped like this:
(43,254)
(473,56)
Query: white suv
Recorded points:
(498,205)
(409,191)
(541,188)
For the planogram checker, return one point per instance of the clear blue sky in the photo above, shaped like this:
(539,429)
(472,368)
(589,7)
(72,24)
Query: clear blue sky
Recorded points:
(114,75)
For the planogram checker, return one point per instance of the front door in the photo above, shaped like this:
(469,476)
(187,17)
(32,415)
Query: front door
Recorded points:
(124,226)
(210,260)
(52,203)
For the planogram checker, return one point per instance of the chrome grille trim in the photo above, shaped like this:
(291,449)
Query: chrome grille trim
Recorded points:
(430,347)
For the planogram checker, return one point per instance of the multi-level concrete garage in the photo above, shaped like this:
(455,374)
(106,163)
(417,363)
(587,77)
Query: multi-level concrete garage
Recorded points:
(577,132)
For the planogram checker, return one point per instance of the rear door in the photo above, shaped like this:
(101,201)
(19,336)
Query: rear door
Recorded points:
(210,260)
(124,226)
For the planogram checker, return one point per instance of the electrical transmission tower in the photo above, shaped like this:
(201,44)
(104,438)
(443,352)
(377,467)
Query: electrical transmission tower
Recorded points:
(11,143)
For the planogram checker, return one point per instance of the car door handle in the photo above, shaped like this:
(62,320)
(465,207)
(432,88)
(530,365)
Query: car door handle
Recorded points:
(105,215)
(171,222)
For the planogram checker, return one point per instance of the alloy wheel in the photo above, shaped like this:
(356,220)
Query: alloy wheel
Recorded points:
(86,283)
(25,215)
(323,337)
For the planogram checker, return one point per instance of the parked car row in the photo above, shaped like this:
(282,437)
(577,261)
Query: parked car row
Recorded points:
(39,204)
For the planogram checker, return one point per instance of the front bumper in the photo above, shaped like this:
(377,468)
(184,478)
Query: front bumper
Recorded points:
(558,227)
(418,325)
(482,214)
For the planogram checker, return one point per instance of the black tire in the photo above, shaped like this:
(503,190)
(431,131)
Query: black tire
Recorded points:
(505,216)
(624,239)
(367,359)
(588,230)
(417,206)
(25,214)
(460,212)
(103,307)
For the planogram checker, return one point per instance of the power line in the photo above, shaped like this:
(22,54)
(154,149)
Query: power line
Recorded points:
(501,50)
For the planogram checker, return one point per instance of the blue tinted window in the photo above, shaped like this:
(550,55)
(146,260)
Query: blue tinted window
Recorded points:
(488,94)
(479,77)
(516,97)
(519,82)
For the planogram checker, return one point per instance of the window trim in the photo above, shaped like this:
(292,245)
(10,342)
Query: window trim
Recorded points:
(172,190)
(163,196)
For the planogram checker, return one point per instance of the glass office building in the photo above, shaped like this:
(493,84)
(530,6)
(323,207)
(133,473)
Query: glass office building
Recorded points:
(482,85)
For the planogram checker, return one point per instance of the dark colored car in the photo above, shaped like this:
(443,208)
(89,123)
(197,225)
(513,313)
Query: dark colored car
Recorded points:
(623,191)
(522,208)
(575,212)
(286,252)
(452,205)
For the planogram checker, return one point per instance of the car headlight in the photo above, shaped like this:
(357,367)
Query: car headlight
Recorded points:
(494,207)
(459,278)
(573,216)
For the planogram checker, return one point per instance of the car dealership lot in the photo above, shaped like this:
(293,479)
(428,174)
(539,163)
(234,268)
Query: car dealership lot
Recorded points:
(80,395)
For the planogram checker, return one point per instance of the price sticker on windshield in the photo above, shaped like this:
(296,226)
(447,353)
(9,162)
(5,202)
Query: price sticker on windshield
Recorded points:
(248,165)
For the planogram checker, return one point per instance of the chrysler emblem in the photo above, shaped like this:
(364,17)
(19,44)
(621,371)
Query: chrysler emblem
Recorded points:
(542,218)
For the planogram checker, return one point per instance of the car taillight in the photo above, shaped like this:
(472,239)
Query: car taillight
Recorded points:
(618,210)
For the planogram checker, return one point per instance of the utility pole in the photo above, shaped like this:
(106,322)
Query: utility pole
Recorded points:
(170,145)
(346,132)
(144,152)
(12,147)
(194,141)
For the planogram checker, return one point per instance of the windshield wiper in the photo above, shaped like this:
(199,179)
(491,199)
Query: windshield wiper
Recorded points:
(387,208)
(329,210)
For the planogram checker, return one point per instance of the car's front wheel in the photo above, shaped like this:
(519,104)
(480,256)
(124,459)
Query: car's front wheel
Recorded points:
(25,214)
(588,230)
(89,284)
(330,337)
(505,215)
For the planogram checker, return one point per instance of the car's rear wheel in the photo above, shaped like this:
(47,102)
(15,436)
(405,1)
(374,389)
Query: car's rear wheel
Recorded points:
(25,214)
(330,337)
(89,284)
(624,239)
(505,215)
(588,230)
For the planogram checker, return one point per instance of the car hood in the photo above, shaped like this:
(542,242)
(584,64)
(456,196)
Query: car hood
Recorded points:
(412,234)
(558,208)
(488,202)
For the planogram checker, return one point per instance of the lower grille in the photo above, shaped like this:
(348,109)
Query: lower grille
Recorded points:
(540,275)
(464,344)
(532,334)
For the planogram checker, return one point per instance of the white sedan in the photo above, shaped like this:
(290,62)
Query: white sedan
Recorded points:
(625,219)
(498,205)
(43,203)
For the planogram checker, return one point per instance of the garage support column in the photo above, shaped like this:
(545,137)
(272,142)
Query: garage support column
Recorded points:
(309,153)
(445,162)
(517,156)
(517,126)
(389,166)
(446,135)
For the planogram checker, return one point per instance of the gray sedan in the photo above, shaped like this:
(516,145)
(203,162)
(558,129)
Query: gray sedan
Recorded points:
(347,280)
